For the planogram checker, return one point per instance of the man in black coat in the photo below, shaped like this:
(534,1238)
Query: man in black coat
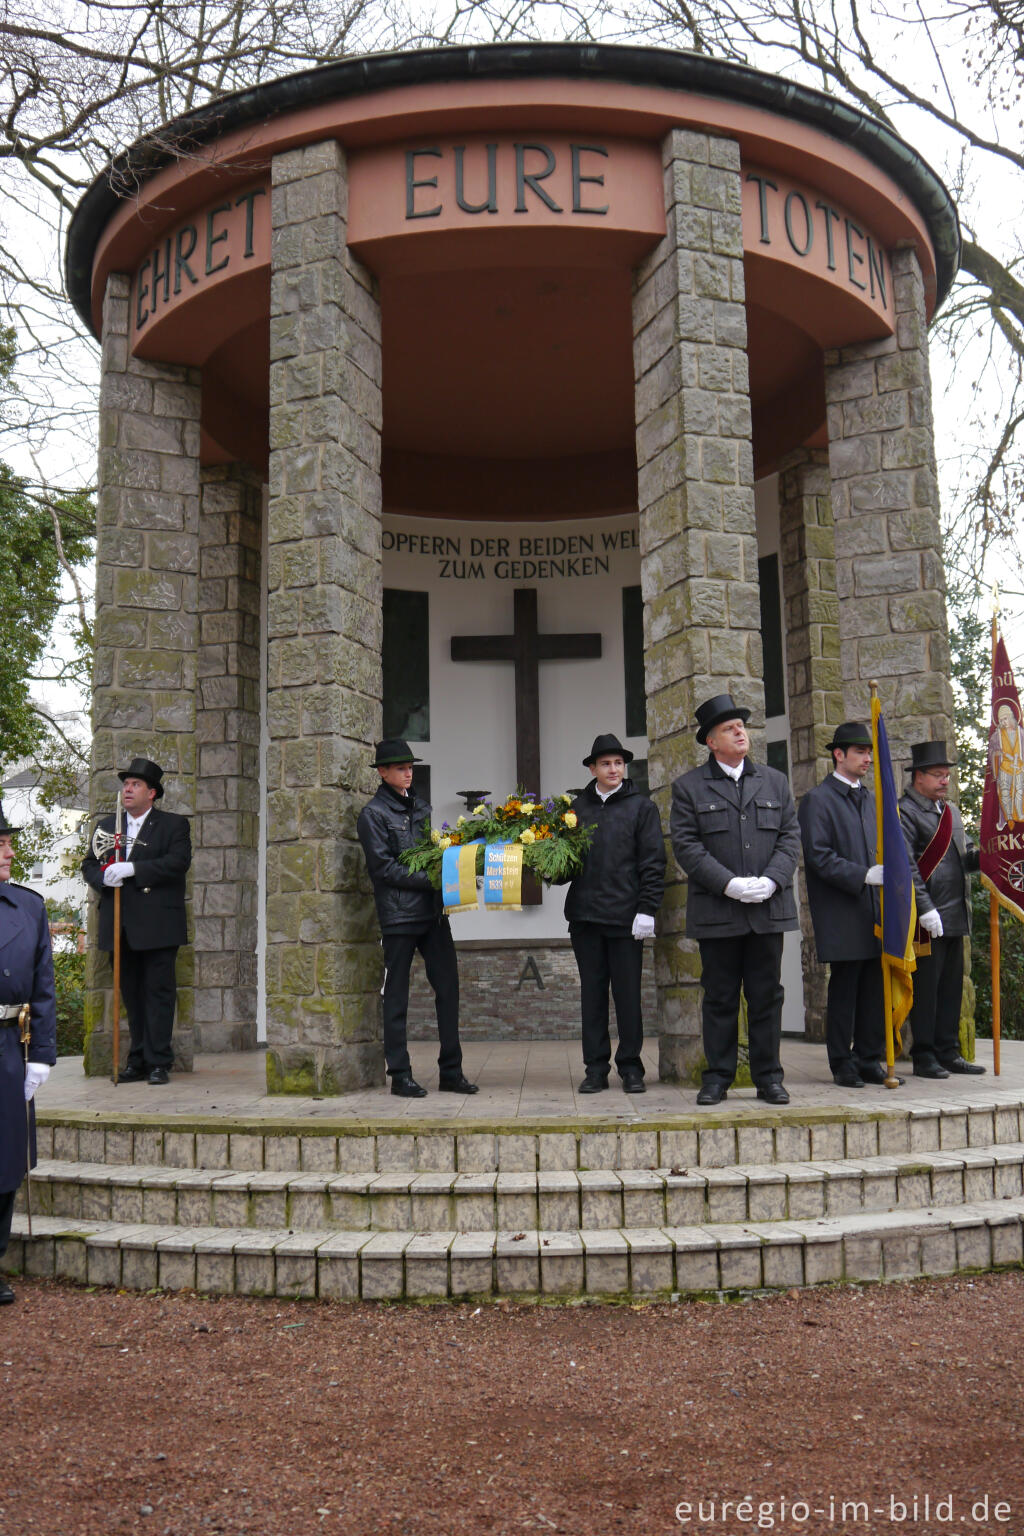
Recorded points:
(839,835)
(735,835)
(610,907)
(26,976)
(411,918)
(942,858)
(151,874)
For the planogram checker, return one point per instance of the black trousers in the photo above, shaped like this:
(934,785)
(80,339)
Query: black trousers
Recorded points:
(150,993)
(6,1216)
(437,947)
(938,993)
(855,1017)
(752,961)
(604,961)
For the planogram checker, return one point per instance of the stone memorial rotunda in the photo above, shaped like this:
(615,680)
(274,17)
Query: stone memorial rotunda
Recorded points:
(494,397)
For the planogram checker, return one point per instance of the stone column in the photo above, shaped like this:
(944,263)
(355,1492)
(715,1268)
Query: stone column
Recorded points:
(814,679)
(885,500)
(225,862)
(697,530)
(324,673)
(144,675)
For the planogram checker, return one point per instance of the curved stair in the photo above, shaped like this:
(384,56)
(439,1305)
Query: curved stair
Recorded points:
(693,1205)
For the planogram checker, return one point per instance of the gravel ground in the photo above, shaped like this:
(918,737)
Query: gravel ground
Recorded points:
(179,1415)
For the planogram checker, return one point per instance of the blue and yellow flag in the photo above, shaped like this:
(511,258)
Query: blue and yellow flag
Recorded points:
(458,877)
(503,877)
(899,906)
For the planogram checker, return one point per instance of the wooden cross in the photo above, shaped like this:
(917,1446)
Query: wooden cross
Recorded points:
(526,647)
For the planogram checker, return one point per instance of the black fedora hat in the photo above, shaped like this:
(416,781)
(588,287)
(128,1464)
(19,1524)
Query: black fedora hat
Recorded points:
(713,711)
(929,754)
(5,827)
(607,746)
(850,734)
(150,773)
(392,752)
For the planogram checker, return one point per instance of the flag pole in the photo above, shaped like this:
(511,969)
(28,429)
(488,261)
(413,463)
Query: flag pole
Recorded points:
(891,1080)
(115,1043)
(993,900)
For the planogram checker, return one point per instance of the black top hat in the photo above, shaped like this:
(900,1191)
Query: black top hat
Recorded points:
(850,734)
(713,711)
(4,827)
(150,773)
(393,751)
(607,746)
(929,754)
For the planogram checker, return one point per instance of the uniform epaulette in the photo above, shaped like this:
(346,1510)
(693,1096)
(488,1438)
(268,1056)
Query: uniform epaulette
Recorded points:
(27,889)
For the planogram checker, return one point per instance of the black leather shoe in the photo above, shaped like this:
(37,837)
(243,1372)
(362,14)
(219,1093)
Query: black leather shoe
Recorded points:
(773,1093)
(929,1069)
(159,1076)
(872,1072)
(6,1294)
(712,1093)
(405,1086)
(847,1077)
(962,1068)
(132,1075)
(633,1081)
(593,1084)
(460,1084)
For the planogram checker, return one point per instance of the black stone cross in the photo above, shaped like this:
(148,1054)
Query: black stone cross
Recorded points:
(526,647)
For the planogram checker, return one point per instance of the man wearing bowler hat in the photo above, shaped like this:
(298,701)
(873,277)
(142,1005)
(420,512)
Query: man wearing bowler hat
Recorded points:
(411,918)
(735,835)
(941,858)
(610,908)
(839,835)
(151,874)
(26,978)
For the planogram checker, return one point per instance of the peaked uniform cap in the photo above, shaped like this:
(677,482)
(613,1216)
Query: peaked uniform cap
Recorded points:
(607,746)
(5,826)
(150,773)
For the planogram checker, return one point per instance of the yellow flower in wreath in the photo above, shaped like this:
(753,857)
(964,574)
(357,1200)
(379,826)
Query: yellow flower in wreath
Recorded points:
(529,836)
(435,837)
(444,842)
(478,810)
(569,818)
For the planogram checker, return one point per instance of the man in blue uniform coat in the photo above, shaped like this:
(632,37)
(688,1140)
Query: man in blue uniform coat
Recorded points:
(151,873)
(26,976)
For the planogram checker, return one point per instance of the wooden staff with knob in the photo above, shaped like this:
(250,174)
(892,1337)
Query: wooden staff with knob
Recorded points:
(25,1036)
(107,848)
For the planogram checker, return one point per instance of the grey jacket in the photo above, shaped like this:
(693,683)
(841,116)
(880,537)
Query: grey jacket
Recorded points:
(837,829)
(721,829)
(948,889)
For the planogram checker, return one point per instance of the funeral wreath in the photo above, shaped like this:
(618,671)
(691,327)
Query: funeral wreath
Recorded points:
(554,845)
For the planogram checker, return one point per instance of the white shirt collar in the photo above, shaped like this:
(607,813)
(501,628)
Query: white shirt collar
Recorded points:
(135,822)
(605,794)
(853,783)
(735,773)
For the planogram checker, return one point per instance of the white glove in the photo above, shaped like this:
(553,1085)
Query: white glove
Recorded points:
(762,888)
(114,874)
(875,875)
(738,887)
(643,926)
(931,922)
(36,1074)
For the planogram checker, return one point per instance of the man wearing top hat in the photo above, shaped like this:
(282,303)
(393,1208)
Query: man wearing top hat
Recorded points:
(610,908)
(26,976)
(735,835)
(411,918)
(839,835)
(942,858)
(151,874)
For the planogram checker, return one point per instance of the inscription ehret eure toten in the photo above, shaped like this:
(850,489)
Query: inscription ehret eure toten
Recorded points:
(809,226)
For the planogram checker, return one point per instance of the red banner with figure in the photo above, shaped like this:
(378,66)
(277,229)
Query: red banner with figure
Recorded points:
(1002,812)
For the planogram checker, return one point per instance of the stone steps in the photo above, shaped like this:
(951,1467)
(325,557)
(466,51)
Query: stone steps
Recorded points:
(558,1201)
(747,1136)
(652,1261)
